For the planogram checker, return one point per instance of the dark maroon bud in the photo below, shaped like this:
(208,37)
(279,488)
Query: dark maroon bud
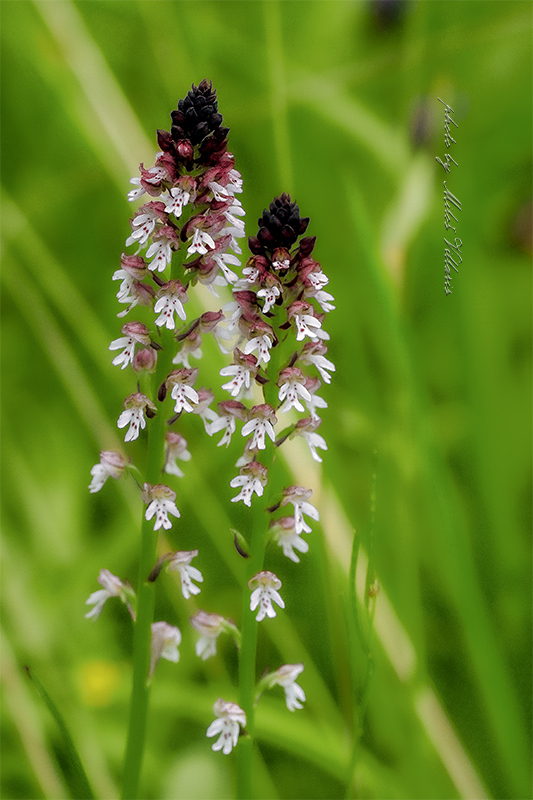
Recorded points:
(196,263)
(179,337)
(273,508)
(307,245)
(165,142)
(188,229)
(214,146)
(265,237)
(293,360)
(157,279)
(275,227)
(162,392)
(184,149)
(177,133)
(254,245)
(154,574)
(177,118)
(282,439)
(246,299)
(155,346)
(220,134)
(184,235)
(287,234)
(202,129)
(149,412)
(294,218)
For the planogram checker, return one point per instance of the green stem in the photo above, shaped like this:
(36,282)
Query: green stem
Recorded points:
(247,661)
(140,694)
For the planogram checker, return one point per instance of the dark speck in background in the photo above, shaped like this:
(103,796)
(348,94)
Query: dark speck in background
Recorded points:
(387,13)
(422,122)
(522,228)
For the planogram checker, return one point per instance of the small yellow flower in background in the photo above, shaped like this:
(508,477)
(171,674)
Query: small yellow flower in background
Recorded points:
(98,681)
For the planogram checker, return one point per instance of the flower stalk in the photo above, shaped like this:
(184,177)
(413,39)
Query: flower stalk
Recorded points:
(140,693)
(247,664)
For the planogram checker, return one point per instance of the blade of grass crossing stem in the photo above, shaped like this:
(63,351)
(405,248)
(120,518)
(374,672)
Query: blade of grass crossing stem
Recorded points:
(72,768)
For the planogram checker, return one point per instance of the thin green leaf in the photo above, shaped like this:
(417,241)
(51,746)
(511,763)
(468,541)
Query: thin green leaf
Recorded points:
(72,769)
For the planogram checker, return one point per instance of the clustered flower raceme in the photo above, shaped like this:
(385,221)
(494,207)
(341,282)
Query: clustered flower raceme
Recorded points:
(273,328)
(278,309)
(192,187)
(188,204)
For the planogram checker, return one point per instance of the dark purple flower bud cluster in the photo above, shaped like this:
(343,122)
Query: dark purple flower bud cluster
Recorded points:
(193,207)
(197,135)
(280,226)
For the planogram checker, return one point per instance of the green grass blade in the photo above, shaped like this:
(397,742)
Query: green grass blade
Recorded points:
(72,769)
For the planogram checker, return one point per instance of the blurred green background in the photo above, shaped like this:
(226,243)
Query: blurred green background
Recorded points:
(335,102)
